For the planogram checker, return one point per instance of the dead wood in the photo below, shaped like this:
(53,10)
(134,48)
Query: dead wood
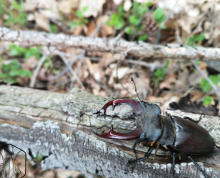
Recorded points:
(138,49)
(58,126)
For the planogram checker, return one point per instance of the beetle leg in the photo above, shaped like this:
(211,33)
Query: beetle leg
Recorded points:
(174,158)
(136,106)
(190,119)
(136,151)
(133,135)
(198,166)
(134,162)
(173,164)
(133,148)
(158,144)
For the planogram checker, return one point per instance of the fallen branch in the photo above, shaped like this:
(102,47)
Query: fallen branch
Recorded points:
(58,126)
(141,49)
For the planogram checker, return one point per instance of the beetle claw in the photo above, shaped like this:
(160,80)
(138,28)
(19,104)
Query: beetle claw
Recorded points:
(136,106)
(133,135)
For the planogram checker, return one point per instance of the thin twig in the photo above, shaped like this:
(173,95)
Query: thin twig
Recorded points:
(152,66)
(36,71)
(207,78)
(69,68)
(99,27)
(64,71)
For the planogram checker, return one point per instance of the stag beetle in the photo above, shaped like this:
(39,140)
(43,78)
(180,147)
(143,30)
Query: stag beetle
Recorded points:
(177,134)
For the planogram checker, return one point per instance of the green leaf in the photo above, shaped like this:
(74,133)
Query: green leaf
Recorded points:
(162,26)
(85,9)
(133,20)
(48,63)
(53,28)
(207,100)
(159,15)
(204,84)
(16,50)
(129,30)
(195,39)
(199,37)
(149,3)
(85,21)
(79,13)
(33,52)
(142,37)
(13,70)
(121,10)
(73,25)
(119,25)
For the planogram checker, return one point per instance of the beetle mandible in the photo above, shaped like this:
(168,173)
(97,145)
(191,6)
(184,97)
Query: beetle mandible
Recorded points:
(175,133)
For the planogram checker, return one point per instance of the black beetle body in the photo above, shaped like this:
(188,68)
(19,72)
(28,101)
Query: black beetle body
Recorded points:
(177,134)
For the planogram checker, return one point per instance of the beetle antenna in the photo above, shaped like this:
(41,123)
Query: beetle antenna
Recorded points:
(135,88)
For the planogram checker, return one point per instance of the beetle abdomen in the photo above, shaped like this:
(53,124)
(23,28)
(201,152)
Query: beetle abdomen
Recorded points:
(192,138)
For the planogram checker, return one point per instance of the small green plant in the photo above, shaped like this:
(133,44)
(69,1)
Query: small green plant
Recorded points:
(26,52)
(53,28)
(80,18)
(207,100)
(159,17)
(193,40)
(159,74)
(10,72)
(15,14)
(131,21)
(117,19)
(204,84)
(38,157)
(48,64)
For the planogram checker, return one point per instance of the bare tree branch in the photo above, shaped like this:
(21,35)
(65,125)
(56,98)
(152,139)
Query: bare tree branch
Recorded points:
(140,49)
(58,126)
(36,71)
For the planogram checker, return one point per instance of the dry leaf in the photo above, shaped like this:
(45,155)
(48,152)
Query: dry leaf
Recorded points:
(107,58)
(196,95)
(52,14)
(42,21)
(94,7)
(65,173)
(91,28)
(94,70)
(121,73)
(30,17)
(48,174)
(105,30)
(164,84)
(30,63)
(30,5)
(65,7)
(77,30)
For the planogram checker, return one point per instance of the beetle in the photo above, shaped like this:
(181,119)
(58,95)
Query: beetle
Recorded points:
(178,135)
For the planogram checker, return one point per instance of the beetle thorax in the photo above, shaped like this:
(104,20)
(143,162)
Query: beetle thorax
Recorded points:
(150,121)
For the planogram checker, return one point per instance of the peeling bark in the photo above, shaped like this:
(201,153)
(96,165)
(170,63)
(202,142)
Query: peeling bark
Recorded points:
(140,49)
(58,126)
